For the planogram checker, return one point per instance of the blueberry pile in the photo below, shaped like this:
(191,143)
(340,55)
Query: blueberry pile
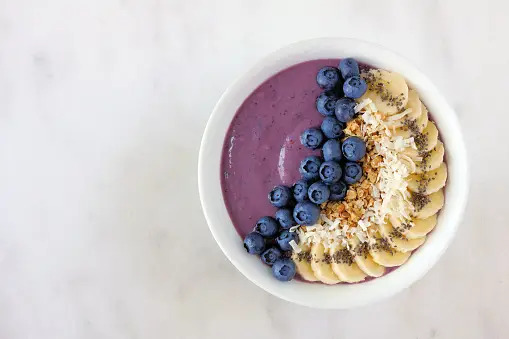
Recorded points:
(324,178)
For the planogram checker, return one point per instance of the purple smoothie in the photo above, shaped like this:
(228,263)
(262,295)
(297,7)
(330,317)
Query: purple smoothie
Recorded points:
(262,146)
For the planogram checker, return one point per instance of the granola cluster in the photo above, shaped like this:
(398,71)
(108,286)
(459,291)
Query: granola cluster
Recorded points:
(359,196)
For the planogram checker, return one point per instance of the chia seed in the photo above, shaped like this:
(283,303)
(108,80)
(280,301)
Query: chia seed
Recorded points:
(304,256)
(375,85)
(404,227)
(343,256)
(412,125)
(419,201)
(396,234)
(382,245)
(327,258)
(362,250)
(425,158)
(423,183)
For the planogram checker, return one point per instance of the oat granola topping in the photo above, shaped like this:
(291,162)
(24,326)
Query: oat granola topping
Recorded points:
(360,196)
(381,191)
(351,228)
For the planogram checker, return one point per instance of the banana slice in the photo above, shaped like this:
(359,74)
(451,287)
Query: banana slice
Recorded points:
(387,90)
(425,141)
(431,137)
(396,221)
(435,203)
(388,257)
(303,266)
(365,261)
(322,270)
(405,133)
(369,266)
(421,227)
(398,241)
(346,270)
(428,182)
(415,106)
(422,121)
(432,160)
(412,153)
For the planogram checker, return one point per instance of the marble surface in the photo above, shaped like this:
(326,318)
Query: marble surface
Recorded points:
(102,107)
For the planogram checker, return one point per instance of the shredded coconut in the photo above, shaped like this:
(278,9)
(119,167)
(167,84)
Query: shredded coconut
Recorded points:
(295,247)
(328,232)
(362,104)
(391,184)
(390,194)
(399,116)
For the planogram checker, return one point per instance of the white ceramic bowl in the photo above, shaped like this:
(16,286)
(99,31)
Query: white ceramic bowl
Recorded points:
(342,295)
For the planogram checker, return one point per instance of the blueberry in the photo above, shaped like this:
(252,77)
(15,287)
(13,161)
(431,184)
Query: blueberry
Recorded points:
(306,213)
(267,226)
(328,78)
(352,172)
(332,128)
(254,243)
(318,192)
(271,255)
(309,168)
(300,190)
(348,67)
(326,103)
(312,138)
(285,218)
(283,240)
(354,148)
(338,191)
(284,269)
(354,87)
(330,172)
(280,196)
(345,109)
(331,150)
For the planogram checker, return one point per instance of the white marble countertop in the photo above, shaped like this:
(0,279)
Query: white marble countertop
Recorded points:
(102,107)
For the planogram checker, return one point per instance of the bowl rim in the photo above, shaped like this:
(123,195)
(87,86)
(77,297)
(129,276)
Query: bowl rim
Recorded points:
(343,295)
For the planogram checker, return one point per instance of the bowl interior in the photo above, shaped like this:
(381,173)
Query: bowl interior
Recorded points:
(343,295)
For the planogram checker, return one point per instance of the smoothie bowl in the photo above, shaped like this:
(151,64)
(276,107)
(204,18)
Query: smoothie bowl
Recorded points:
(333,173)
